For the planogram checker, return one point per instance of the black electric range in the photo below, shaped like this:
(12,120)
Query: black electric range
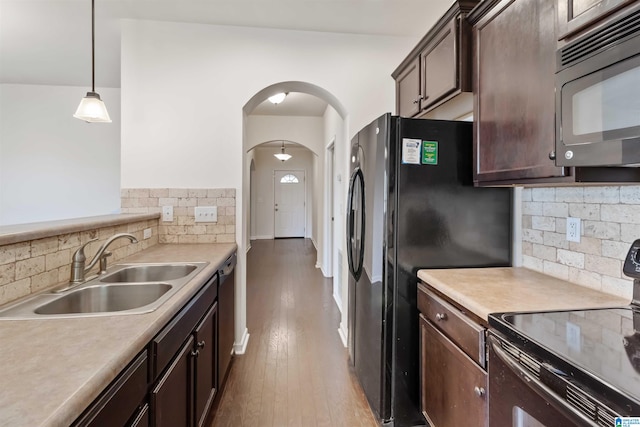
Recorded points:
(595,352)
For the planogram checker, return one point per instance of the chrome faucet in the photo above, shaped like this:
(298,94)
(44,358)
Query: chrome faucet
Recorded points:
(78,269)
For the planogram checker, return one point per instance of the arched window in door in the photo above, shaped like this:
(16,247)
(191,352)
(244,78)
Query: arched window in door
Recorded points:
(289,179)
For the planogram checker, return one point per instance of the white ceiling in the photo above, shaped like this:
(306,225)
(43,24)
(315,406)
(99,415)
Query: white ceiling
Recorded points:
(49,41)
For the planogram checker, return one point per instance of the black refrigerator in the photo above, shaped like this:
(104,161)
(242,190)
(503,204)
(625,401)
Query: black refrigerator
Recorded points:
(411,205)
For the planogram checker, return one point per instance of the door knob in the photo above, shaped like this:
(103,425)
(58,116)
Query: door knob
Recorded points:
(479,391)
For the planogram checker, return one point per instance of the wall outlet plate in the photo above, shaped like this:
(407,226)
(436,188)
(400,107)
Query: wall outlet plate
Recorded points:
(573,229)
(206,214)
(167,213)
(146,234)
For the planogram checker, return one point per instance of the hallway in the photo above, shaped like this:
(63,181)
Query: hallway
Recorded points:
(295,371)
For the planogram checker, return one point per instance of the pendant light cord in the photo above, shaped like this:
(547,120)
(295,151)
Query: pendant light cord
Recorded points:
(93,41)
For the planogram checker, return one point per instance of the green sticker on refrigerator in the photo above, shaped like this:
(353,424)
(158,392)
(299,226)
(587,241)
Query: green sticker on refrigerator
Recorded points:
(429,152)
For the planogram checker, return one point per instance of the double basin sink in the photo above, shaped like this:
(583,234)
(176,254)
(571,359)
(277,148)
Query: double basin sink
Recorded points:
(124,289)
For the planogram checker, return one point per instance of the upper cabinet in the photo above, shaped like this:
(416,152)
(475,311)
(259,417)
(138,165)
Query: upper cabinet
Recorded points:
(576,15)
(438,68)
(514,43)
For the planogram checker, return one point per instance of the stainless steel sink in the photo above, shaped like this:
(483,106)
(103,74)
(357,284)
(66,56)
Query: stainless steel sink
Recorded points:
(124,289)
(150,273)
(105,298)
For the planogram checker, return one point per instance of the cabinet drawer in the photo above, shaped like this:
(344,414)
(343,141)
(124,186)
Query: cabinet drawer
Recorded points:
(119,401)
(167,343)
(464,332)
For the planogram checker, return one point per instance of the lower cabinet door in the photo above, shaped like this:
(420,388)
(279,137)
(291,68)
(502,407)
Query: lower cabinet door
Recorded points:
(142,417)
(205,364)
(453,386)
(172,397)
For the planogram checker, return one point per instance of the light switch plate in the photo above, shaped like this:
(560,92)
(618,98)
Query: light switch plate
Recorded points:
(206,214)
(573,229)
(146,234)
(167,213)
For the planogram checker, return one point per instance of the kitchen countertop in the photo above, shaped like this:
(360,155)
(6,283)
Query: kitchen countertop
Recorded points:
(496,290)
(52,369)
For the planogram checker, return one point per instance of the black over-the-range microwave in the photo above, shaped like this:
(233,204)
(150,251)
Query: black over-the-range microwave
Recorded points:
(598,95)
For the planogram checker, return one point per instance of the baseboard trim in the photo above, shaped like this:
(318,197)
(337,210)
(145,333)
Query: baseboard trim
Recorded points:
(241,348)
(338,301)
(261,237)
(343,336)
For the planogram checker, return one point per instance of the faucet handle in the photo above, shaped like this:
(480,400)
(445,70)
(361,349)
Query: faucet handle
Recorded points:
(103,261)
(79,255)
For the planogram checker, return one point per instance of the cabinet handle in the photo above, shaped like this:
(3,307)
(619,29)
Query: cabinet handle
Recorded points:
(415,101)
(552,155)
(195,353)
(200,345)
(441,316)
(479,391)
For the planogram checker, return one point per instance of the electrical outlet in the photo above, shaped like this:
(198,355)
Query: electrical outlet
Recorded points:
(573,336)
(573,229)
(167,213)
(206,214)
(146,234)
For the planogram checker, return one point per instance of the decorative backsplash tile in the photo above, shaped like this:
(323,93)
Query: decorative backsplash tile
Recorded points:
(610,221)
(183,228)
(30,267)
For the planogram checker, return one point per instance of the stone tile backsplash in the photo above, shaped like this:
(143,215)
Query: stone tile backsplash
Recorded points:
(32,266)
(610,221)
(183,228)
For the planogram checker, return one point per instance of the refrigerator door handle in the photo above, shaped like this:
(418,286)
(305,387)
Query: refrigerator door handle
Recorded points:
(355,265)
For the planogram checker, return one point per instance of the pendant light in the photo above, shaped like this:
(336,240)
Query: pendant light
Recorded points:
(91,108)
(282,156)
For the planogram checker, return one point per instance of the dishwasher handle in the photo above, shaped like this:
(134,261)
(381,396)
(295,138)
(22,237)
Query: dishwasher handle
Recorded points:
(228,267)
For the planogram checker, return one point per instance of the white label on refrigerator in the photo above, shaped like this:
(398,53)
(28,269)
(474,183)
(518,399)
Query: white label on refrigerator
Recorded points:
(411,151)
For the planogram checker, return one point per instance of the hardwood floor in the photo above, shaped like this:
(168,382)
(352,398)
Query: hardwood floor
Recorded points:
(295,371)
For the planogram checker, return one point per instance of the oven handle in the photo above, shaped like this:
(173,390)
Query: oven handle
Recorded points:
(537,385)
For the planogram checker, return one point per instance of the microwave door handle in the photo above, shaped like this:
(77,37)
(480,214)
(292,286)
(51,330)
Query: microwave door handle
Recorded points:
(537,386)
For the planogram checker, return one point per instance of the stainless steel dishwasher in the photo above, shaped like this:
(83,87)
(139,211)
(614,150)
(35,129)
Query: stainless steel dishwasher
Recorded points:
(226,310)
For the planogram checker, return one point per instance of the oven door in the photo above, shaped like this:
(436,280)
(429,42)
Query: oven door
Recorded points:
(518,398)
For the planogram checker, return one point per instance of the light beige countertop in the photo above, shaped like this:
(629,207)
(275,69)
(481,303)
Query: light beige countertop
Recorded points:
(494,290)
(52,369)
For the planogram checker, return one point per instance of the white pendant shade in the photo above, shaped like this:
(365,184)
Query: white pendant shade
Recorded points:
(282,156)
(92,109)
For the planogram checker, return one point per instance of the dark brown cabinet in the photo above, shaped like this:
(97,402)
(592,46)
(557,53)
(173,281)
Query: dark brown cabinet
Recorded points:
(439,67)
(439,62)
(171,397)
(184,360)
(454,387)
(453,376)
(206,381)
(408,90)
(514,92)
(123,401)
(575,16)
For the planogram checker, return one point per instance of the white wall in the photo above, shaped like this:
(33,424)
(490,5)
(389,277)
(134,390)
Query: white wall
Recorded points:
(184,87)
(262,196)
(306,131)
(54,166)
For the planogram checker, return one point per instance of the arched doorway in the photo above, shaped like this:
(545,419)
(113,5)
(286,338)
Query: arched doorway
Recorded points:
(330,150)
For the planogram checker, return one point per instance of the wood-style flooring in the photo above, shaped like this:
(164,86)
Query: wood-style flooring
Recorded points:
(295,371)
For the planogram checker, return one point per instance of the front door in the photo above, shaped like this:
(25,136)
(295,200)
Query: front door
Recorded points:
(289,203)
